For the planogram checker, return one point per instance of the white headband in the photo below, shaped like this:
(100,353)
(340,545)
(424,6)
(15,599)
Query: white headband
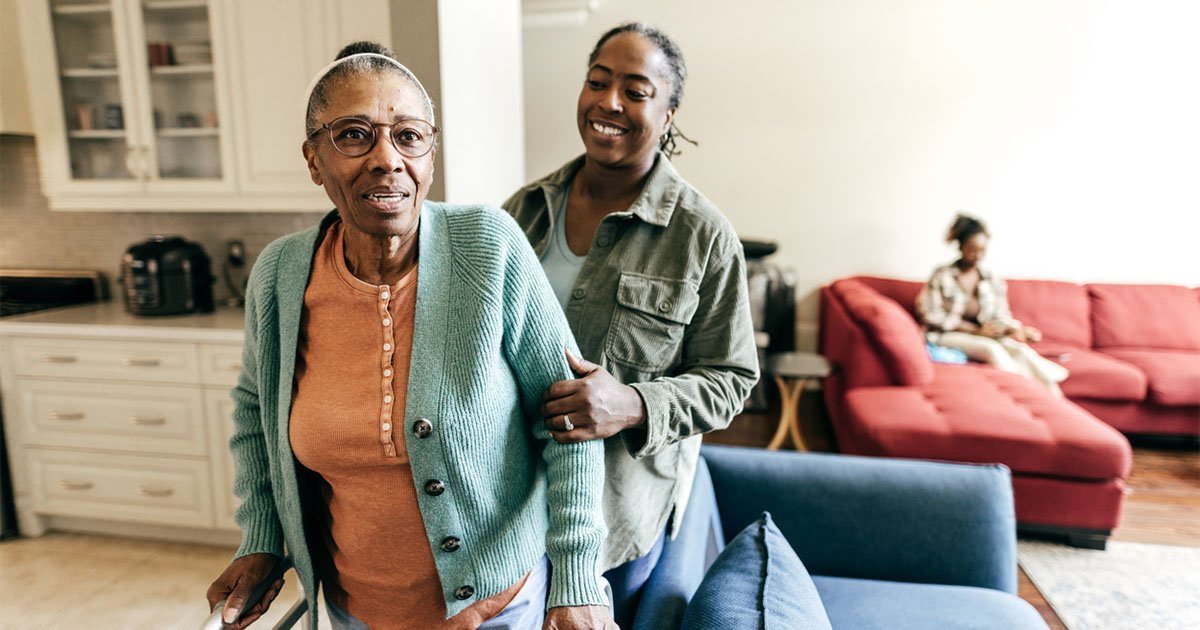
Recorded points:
(337,62)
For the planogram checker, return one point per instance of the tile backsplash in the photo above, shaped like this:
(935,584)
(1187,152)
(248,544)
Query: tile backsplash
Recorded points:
(31,236)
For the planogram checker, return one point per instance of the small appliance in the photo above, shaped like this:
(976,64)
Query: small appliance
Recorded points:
(167,275)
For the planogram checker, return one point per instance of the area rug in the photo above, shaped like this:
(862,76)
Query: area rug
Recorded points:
(1129,586)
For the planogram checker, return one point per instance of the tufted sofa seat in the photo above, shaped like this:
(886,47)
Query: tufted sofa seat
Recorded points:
(979,414)
(887,399)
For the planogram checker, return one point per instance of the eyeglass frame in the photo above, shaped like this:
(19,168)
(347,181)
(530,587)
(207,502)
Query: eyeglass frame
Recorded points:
(375,135)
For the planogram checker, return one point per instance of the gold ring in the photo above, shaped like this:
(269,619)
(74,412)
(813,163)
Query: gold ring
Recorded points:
(567,426)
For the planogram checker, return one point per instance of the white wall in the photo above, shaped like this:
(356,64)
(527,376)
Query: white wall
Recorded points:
(852,130)
(14,102)
(481,96)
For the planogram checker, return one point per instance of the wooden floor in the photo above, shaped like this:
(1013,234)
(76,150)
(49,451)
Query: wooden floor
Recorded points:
(1162,505)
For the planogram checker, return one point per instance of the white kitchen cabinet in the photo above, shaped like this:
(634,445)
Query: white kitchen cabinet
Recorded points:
(219,407)
(153,490)
(180,105)
(118,424)
(274,48)
(127,99)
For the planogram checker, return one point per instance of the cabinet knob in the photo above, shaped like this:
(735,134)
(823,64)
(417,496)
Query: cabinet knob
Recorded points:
(66,415)
(147,420)
(155,492)
(75,485)
(134,362)
(236,367)
(59,358)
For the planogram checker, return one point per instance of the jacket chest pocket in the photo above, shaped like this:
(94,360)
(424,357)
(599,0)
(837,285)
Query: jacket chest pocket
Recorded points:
(649,320)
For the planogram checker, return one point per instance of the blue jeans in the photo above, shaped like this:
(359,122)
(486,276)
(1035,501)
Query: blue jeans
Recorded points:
(627,581)
(687,555)
(526,611)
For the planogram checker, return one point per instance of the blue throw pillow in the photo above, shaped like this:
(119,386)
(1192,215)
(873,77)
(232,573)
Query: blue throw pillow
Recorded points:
(757,582)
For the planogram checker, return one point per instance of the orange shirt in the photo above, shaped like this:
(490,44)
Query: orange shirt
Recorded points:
(371,549)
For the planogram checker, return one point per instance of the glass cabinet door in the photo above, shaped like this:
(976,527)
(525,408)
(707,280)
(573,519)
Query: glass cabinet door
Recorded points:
(183,139)
(96,94)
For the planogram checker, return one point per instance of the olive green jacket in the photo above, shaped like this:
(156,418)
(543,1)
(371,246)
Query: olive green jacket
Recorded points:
(661,302)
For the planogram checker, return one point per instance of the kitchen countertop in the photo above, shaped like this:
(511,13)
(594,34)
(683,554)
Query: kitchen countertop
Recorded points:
(109,320)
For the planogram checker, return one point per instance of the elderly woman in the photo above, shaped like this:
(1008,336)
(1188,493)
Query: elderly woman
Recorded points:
(652,279)
(386,420)
(965,306)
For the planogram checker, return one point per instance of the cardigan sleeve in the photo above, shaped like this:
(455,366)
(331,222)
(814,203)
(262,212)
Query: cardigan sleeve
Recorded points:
(257,515)
(536,335)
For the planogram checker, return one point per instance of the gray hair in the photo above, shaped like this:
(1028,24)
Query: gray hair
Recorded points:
(357,59)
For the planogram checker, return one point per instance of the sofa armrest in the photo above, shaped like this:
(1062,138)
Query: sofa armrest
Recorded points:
(876,518)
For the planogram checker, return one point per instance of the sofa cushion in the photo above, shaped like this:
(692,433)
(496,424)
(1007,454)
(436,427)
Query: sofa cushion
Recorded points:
(1174,376)
(893,332)
(1094,374)
(1059,309)
(874,604)
(979,414)
(757,582)
(902,292)
(1144,316)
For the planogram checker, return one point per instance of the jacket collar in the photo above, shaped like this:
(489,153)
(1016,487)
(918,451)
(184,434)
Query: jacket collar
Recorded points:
(655,205)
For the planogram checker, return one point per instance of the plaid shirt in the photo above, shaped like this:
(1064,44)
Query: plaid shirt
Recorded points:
(943,300)
(661,302)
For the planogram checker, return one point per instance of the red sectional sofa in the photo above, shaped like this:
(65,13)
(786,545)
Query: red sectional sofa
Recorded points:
(1134,356)
(1133,350)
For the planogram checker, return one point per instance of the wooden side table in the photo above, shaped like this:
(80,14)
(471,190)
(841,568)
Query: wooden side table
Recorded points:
(792,371)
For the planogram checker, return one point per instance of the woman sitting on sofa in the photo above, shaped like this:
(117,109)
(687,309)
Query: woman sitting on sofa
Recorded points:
(965,306)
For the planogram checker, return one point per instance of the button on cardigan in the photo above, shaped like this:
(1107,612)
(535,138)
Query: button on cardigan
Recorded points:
(488,339)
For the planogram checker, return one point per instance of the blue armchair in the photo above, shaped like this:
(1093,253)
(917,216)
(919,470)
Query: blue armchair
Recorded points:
(892,544)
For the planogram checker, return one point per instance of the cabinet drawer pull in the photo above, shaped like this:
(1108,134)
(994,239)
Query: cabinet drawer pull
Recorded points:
(67,415)
(155,492)
(59,358)
(147,420)
(236,367)
(75,485)
(142,362)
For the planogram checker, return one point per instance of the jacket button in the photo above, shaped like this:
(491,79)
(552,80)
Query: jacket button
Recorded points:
(664,305)
(578,294)
(464,592)
(450,544)
(422,428)
(434,487)
(603,241)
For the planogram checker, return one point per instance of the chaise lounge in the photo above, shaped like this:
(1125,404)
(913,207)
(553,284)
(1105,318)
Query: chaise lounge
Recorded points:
(886,398)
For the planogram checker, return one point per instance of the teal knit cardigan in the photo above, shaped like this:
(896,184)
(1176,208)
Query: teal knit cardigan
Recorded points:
(488,339)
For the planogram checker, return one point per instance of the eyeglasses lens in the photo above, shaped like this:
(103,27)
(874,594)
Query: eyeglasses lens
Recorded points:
(355,137)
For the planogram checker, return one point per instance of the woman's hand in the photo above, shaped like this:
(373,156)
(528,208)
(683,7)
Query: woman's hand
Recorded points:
(1032,335)
(235,585)
(579,617)
(594,406)
(995,330)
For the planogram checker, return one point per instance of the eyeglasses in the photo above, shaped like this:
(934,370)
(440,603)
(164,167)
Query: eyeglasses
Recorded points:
(355,137)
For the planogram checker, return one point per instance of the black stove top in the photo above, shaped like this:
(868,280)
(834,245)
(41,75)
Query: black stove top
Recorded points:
(28,290)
